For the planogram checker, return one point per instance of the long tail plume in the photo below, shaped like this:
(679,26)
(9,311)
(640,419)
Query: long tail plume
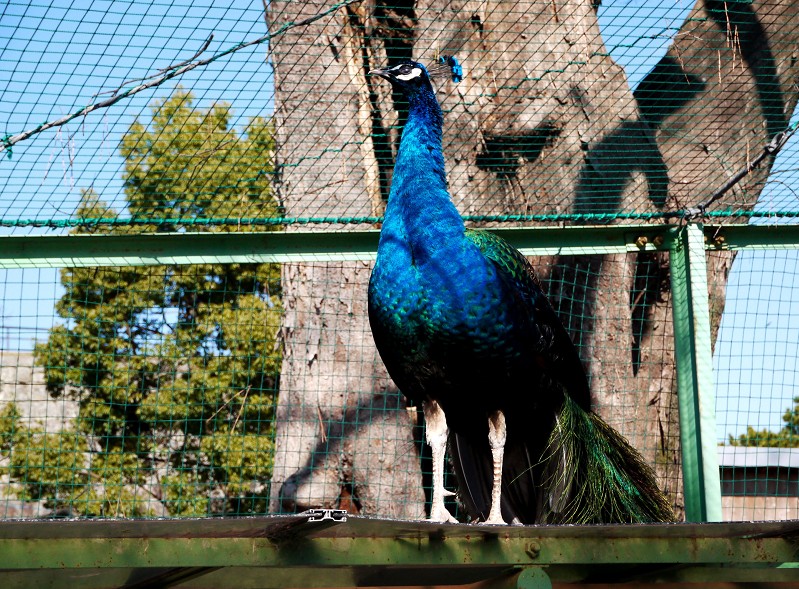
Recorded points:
(592,475)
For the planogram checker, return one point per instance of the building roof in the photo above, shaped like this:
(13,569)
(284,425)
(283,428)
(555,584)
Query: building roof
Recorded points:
(742,456)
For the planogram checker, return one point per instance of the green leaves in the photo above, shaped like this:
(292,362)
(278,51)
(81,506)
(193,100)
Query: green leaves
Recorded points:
(786,437)
(191,163)
(174,368)
(47,465)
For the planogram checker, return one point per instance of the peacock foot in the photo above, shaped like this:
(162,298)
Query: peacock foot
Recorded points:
(495,520)
(440,514)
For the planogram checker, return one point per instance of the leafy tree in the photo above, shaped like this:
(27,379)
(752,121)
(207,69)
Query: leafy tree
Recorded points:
(786,437)
(174,367)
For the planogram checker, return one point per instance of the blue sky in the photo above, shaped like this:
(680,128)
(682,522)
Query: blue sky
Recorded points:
(66,55)
(70,54)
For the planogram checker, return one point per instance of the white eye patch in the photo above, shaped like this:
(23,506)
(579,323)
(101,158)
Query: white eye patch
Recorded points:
(415,73)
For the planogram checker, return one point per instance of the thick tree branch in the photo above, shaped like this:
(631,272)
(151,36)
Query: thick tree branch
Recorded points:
(772,148)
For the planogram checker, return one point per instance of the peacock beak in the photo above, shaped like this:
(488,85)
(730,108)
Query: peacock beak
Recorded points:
(381,73)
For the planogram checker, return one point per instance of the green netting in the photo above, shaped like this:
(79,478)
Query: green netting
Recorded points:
(546,127)
(755,372)
(155,393)
(221,390)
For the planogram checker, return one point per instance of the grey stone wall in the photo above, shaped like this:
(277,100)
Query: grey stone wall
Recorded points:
(23,383)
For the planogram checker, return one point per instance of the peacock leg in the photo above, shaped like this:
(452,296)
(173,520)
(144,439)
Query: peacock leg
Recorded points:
(497,433)
(436,431)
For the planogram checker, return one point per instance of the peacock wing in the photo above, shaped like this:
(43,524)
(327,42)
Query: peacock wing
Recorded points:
(558,356)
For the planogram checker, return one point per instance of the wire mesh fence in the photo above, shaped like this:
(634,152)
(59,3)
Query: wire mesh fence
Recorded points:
(543,84)
(151,384)
(756,383)
(246,389)
(155,393)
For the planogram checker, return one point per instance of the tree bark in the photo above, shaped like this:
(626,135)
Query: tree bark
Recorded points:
(332,377)
(725,87)
(543,123)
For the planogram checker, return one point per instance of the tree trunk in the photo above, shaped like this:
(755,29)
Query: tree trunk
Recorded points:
(725,87)
(543,123)
(342,430)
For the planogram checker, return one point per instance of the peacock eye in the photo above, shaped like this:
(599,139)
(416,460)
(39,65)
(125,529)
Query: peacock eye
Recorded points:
(408,72)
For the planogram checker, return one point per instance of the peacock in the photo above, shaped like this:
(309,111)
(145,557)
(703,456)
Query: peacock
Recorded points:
(463,326)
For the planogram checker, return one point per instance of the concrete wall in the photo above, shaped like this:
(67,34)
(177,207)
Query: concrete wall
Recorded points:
(23,383)
(761,508)
(759,484)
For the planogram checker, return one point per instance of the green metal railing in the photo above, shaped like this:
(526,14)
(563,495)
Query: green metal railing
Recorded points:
(686,244)
(308,551)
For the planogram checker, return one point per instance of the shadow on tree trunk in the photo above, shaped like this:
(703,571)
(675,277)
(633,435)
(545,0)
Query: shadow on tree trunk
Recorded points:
(355,461)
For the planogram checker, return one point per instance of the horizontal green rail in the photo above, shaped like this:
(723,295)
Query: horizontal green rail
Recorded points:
(740,237)
(144,249)
(55,251)
(288,551)
(338,552)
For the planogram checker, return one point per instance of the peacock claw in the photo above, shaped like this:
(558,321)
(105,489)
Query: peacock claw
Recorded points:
(441,515)
(436,432)
(497,435)
(493,521)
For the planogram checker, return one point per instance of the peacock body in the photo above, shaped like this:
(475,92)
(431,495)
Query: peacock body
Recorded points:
(464,328)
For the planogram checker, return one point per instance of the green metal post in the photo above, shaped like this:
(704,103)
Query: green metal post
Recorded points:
(700,466)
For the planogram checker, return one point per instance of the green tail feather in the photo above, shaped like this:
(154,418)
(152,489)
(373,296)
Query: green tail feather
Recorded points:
(593,475)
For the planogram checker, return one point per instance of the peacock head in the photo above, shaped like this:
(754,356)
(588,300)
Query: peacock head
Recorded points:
(411,76)
(408,76)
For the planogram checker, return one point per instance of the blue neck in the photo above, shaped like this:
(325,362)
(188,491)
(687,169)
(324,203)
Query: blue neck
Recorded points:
(419,204)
